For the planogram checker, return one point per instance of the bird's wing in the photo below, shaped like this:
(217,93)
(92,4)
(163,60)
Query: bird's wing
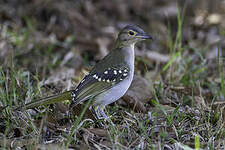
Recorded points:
(98,82)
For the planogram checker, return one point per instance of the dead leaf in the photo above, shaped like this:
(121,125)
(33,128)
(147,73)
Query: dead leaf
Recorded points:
(98,132)
(138,94)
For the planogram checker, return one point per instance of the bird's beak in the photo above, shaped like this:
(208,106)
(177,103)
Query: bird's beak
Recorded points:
(144,36)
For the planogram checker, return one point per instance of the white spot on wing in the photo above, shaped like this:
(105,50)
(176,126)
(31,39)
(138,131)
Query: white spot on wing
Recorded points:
(120,71)
(82,80)
(115,72)
(125,74)
(95,76)
(106,72)
(108,80)
(73,94)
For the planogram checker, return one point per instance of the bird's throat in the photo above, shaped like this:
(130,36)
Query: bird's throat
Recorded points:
(128,52)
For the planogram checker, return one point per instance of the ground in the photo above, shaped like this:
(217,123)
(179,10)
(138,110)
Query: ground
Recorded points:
(176,100)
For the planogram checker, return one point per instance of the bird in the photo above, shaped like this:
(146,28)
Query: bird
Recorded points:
(111,77)
(108,80)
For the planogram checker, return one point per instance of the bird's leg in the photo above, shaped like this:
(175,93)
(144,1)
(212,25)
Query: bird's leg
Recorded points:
(94,111)
(99,113)
(102,110)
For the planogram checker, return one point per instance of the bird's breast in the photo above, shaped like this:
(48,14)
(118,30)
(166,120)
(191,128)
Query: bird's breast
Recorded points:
(118,90)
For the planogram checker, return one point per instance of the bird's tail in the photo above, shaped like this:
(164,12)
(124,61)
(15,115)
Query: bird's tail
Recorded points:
(47,100)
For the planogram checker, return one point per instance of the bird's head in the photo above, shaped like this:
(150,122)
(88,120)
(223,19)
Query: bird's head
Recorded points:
(131,34)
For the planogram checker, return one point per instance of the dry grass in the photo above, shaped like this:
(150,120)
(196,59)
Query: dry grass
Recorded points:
(185,110)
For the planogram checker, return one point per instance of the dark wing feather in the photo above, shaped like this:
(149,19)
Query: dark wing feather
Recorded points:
(98,82)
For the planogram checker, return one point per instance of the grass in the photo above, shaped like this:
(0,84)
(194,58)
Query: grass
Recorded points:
(192,118)
(221,71)
(175,46)
(76,123)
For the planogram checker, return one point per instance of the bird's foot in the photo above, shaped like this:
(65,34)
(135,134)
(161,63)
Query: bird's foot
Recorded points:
(99,113)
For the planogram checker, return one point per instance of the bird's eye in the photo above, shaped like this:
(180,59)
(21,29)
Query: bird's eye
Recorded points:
(131,33)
